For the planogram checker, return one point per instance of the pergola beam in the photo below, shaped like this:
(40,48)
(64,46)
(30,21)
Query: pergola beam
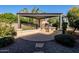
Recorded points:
(39,15)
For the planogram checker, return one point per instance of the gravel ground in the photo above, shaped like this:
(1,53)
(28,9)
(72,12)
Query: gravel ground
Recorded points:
(53,47)
(20,46)
(28,45)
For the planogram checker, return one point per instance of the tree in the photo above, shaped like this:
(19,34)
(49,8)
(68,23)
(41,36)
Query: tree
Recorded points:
(24,10)
(64,27)
(29,20)
(8,17)
(76,25)
(54,21)
(35,10)
(73,15)
(24,19)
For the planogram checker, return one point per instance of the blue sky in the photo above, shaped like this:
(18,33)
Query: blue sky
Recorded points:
(46,8)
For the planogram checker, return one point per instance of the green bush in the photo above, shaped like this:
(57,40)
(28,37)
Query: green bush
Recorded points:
(56,25)
(65,39)
(6,30)
(5,41)
(76,24)
(8,17)
(6,34)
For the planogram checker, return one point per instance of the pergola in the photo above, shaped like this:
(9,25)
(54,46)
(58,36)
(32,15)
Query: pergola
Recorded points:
(40,16)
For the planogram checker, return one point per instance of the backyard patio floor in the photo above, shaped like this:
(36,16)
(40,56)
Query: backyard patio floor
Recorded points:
(38,43)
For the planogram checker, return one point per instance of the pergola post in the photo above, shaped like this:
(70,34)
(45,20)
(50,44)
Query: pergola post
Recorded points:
(19,23)
(39,22)
(60,20)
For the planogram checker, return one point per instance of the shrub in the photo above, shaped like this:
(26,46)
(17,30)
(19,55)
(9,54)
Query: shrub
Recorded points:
(76,25)
(56,25)
(65,39)
(6,30)
(4,41)
(6,34)
(64,27)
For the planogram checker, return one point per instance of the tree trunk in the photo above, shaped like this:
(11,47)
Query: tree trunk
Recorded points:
(74,30)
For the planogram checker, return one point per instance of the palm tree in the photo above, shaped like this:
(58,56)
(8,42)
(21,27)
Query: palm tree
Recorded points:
(24,10)
(35,10)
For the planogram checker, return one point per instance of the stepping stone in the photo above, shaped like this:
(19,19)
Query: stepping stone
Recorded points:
(38,52)
(40,45)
